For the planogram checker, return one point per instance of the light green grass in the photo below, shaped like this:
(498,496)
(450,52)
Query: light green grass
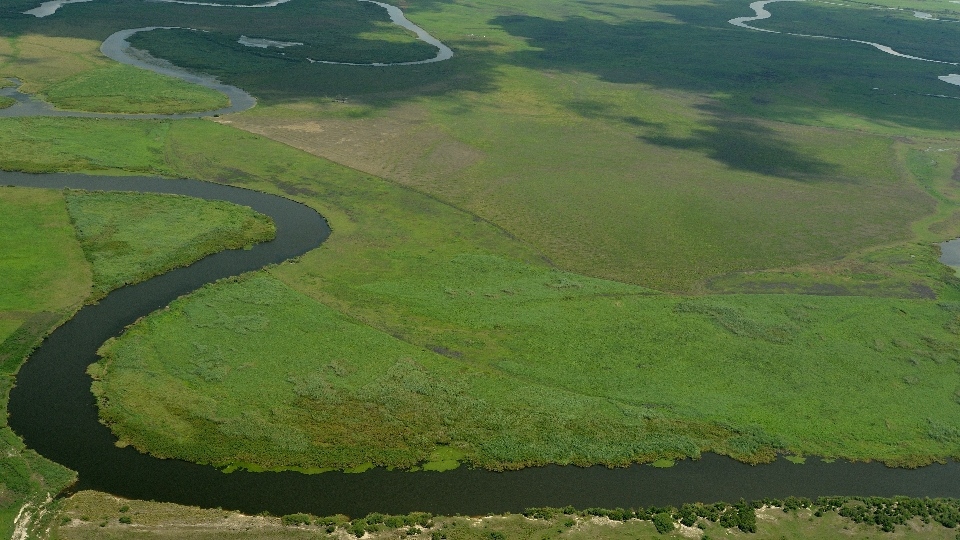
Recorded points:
(46,144)
(127,89)
(130,237)
(43,267)
(6,102)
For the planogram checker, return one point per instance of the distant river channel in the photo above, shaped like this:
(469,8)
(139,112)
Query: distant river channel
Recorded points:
(54,411)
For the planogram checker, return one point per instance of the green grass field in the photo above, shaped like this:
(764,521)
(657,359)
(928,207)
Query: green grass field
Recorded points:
(45,278)
(545,343)
(130,237)
(43,266)
(127,89)
(607,137)
(72,75)
(384,234)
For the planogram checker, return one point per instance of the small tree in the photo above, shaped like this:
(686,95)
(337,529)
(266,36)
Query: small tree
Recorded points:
(663,522)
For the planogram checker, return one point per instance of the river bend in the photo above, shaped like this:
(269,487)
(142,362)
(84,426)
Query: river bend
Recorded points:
(53,409)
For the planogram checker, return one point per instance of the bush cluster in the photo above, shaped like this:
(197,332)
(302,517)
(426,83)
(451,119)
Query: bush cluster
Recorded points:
(888,513)
(373,522)
(740,515)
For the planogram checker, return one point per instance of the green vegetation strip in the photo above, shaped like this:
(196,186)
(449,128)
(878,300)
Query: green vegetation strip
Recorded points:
(6,102)
(130,237)
(96,515)
(130,90)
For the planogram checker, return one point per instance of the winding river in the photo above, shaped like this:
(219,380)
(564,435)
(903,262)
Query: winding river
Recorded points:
(761,13)
(54,411)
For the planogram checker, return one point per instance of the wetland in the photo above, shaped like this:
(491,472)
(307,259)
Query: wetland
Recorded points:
(447,324)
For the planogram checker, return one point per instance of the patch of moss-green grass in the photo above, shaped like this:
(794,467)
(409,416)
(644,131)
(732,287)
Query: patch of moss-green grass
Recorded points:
(48,144)
(129,237)
(6,102)
(42,265)
(909,270)
(127,89)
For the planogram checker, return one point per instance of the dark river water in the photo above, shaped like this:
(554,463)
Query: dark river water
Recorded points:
(53,410)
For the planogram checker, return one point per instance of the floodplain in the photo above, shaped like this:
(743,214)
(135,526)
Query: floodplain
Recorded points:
(602,233)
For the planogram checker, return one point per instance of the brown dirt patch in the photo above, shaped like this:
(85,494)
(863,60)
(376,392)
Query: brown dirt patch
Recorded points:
(401,146)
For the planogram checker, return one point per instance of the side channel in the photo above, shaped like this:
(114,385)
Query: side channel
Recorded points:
(53,410)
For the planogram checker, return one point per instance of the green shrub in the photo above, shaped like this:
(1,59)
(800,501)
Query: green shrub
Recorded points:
(296,519)
(663,522)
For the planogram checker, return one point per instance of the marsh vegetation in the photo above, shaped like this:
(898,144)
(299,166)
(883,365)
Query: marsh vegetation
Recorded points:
(49,271)
(506,223)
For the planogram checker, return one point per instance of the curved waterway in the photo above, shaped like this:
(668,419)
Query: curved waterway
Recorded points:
(53,409)
(761,13)
(117,47)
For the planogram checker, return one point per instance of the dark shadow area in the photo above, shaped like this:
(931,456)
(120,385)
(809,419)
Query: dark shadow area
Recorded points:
(738,142)
(331,30)
(758,74)
(748,146)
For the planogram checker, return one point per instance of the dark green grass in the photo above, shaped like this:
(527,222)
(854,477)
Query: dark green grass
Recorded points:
(130,237)
(126,89)
(6,102)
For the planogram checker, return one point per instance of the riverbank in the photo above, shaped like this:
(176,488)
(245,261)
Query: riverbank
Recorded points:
(49,274)
(97,515)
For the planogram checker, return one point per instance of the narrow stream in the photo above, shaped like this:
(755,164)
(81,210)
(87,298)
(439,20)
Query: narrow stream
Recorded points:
(53,409)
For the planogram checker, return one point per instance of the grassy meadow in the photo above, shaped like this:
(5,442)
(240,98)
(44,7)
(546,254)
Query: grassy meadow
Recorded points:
(551,337)
(606,136)
(127,89)
(71,74)
(45,278)
(130,237)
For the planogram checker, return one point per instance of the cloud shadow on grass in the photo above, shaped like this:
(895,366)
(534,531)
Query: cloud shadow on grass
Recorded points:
(739,68)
